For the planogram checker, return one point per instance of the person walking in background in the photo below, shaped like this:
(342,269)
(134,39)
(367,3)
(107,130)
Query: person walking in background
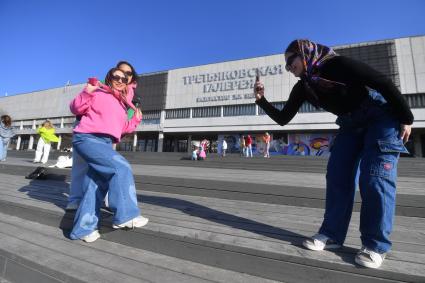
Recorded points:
(375,122)
(103,111)
(202,153)
(242,146)
(223,147)
(6,133)
(47,136)
(205,144)
(79,166)
(195,153)
(248,144)
(266,139)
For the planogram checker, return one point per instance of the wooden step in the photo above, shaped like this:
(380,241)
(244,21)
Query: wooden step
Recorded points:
(245,237)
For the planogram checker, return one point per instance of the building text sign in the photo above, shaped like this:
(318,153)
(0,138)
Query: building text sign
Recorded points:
(234,80)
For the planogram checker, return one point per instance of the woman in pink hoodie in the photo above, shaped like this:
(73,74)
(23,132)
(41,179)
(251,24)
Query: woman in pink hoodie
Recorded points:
(103,111)
(79,166)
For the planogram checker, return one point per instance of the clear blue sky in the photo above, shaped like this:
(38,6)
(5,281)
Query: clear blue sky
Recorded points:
(45,43)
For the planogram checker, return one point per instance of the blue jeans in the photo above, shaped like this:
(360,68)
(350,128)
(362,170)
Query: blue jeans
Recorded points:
(367,141)
(249,151)
(79,170)
(105,166)
(3,148)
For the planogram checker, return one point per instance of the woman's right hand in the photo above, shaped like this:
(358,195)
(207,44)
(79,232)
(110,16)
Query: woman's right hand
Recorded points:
(258,90)
(405,131)
(138,114)
(90,88)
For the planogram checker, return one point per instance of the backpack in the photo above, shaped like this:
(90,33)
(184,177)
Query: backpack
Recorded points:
(40,173)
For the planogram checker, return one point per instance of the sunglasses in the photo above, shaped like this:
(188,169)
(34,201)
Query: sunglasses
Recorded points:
(128,73)
(123,80)
(290,60)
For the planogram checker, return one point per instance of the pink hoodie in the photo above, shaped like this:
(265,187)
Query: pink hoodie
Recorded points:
(102,113)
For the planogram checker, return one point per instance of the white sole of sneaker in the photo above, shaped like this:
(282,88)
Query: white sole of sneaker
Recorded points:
(93,236)
(367,264)
(315,248)
(143,223)
(130,224)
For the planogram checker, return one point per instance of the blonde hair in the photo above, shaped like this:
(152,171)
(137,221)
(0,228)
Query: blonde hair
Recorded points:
(47,124)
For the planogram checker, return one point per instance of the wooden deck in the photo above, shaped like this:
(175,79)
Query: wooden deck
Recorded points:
(222,220)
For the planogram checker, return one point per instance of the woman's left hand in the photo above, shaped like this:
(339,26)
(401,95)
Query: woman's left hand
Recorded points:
(405,131)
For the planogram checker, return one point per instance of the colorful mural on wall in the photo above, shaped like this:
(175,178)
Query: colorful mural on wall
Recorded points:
(316,144)
(309,144)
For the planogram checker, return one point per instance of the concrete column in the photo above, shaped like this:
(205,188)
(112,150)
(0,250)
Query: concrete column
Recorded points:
(18,143)
(31,142)
(21,127)
(162,118)
(176,144)
(134,141)
(417,146)
(221,111)
(256,110)
(59,143)
(62,119)
(189,143)
(190,113)
(160,141)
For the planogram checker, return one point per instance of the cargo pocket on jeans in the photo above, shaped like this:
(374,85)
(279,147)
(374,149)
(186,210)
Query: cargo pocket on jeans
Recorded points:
(382,169)
(393,145)
(390,150)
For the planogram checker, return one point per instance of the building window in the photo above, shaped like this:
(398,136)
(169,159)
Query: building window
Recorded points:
(147,145)
(151,117)
(69,120)
(68,125)
(202,112)
(239,110)
(305,108)
(177,113)
(278,105)
(125,146)
(308,108)
(415,100)
(380,56)
(16,124)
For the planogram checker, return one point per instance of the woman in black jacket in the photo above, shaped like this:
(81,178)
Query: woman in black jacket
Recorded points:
(374,121)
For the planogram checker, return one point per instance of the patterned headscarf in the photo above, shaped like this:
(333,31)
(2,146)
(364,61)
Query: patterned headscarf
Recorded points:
(314,55)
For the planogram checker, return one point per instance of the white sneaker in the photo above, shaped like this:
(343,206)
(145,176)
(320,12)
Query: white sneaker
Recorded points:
(368,258)
(319,242)
(93,236)
(136,222)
